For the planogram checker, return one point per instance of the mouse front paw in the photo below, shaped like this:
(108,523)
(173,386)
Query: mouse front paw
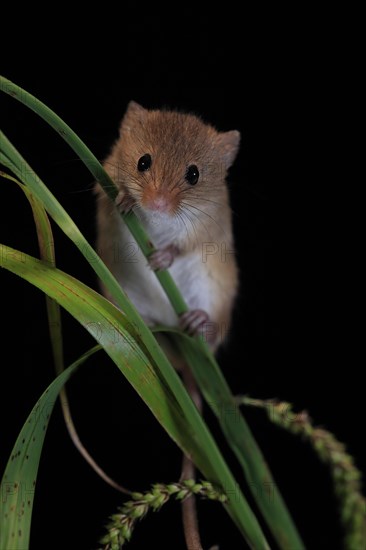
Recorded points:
(124,202)
(163,258)
(197,323)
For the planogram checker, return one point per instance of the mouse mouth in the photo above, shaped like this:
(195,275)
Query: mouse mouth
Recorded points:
(158,204)
(156,201)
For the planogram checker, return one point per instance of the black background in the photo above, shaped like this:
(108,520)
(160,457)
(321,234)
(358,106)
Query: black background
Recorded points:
(294,335)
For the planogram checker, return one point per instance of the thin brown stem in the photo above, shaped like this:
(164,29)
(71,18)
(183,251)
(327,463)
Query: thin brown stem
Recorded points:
(189,508)
(80,447)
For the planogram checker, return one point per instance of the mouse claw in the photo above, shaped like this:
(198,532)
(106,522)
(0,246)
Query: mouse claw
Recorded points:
(124,202)
(163,258)
(197,322)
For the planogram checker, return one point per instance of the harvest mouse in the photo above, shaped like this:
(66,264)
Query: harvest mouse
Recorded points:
(171,169)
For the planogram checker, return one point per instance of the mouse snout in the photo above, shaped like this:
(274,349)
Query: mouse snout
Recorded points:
(157,201)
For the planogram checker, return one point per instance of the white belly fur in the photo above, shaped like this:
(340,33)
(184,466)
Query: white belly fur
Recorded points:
(144,290)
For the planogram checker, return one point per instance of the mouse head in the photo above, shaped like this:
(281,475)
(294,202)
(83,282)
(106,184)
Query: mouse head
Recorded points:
(170,161)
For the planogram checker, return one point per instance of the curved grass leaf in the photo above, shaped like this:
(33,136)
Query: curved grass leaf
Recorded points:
(218,395)
(19,480)
(47,253)
(175,411)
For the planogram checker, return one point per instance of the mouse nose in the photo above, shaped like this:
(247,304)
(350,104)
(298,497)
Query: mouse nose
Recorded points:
(159,203)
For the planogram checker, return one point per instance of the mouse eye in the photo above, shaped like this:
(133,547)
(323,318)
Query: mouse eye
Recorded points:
(144,163)
(192,174)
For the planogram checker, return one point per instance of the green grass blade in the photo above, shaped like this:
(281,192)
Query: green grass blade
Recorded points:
(175,411)
(47,253)
(218,395)
(19,480)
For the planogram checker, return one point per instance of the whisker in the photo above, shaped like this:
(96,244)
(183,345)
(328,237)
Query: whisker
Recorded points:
(206,214)
(208,200)
(185,215)
(180,214)
(217,203)
(200,220)
(199,196)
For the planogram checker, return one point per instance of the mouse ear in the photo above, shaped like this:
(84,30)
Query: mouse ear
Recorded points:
(228,145)
(134,113)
